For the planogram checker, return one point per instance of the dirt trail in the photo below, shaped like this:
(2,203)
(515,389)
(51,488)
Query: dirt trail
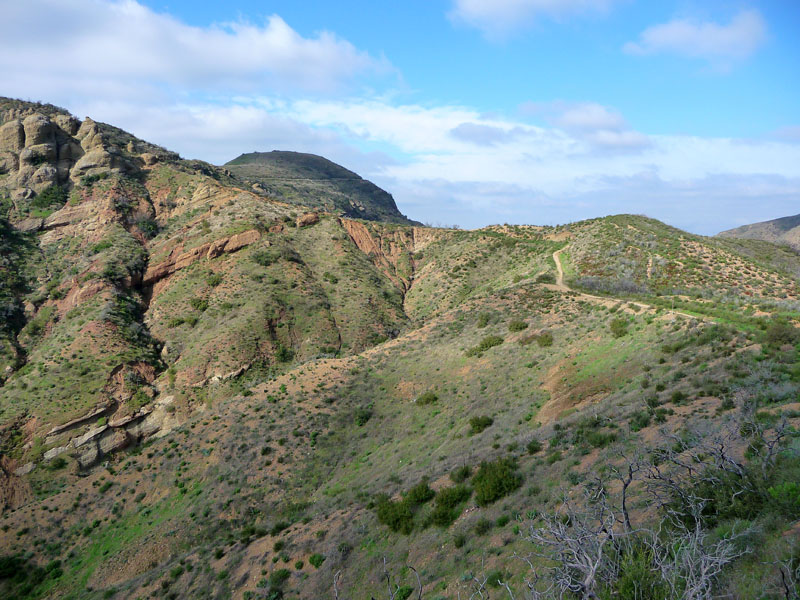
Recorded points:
(560,271)
(560,285)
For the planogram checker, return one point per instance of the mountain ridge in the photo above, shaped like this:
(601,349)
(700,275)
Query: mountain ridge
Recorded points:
(782,230)
(316,182)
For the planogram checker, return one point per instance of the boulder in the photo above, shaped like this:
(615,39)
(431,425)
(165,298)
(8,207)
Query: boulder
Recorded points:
(53,452)
(68,153)
(67,123)
(9,162)
(36,154)
(113,440)
(149,159)
(89,435)
(22,193)
(38,130)
(43,178)
(90,136)
(12,136)
(32,224)
(24,469)
(307,219)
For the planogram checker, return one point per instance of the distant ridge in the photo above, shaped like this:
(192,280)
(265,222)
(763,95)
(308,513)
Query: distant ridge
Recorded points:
(784,230)
(311,180)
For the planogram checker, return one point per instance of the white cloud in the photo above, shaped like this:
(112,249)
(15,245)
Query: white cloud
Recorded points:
(484,135)
(498,18)
(125,49)
(603,127)
(590,116)
(712,41)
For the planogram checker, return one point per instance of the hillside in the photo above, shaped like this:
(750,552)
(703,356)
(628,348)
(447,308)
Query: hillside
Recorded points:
(785,231)
(315,182)
(207,391)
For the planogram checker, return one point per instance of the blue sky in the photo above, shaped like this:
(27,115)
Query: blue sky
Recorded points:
(470,112)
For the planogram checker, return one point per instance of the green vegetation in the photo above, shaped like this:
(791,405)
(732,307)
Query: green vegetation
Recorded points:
(495,480)
(478,424)
(490,341)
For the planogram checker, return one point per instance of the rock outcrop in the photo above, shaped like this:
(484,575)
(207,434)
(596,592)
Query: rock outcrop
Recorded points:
(180,260)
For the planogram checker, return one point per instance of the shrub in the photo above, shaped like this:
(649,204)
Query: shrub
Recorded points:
(459,540)
(483,526)
(494,578)
(545,340)
(148,227)
(478,424)
(278,578)
(490,341)
(619,327)
(213,279)
(420,493)
(283,354)
(599,439)
(199,304)
(55,194)
(362,416)
(640,420)
(447,505)
(264,257)
(546,278)
(517,326)
(316,560)
(483,320)
(786,496)
(397,516)
(534,446)
(678,397)
(59,462)
(780,332)
(461,474)
(428,397)
(403,592)
(495,480)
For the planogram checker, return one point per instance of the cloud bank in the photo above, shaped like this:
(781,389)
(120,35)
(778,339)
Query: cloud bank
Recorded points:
(123,49)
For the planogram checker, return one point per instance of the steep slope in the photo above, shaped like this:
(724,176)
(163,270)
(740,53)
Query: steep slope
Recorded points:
(785,230)
(131,278)
(314,181)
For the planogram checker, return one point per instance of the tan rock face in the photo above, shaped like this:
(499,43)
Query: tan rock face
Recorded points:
(38,130)
(43,178)
(307,219)
(9,162)
(12,136)
(89,135)
(67,123)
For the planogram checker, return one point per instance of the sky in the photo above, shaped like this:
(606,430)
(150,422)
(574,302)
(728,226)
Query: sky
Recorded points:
(470,112)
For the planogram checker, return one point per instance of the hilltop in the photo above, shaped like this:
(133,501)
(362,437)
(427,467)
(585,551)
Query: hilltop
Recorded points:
(313,181)
(784,230)
(210,391)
